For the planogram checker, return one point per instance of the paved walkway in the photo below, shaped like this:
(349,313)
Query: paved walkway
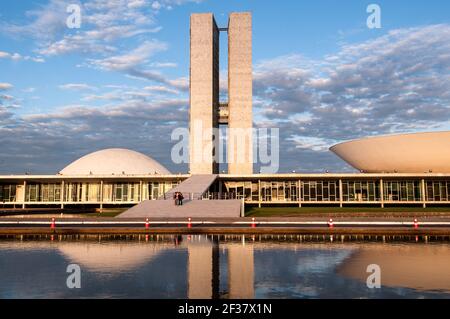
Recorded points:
(192,189)
(195,208)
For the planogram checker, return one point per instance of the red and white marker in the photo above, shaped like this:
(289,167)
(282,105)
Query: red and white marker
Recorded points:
(147,224)
(330,223)
(253,222)
(189,222)
(52,224)
(416,223)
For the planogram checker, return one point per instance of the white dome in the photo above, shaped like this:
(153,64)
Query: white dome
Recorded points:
(114,161)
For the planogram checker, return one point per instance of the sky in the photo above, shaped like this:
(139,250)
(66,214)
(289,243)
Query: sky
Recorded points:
(320,75)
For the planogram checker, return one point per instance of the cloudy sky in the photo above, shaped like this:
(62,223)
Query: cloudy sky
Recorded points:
(121,80)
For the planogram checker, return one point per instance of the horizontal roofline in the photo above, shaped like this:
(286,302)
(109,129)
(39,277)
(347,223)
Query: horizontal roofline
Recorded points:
(229,176)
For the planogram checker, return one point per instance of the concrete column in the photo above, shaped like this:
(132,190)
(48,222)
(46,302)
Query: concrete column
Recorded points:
(299,193)
(101,196)
(141,191)
(241,272)
(62,194)
(382,193)
(340,193)
(424,198)
(259,193)
(24,196)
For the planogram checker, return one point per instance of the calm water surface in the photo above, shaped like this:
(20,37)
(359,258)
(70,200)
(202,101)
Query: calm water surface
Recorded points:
(222,267)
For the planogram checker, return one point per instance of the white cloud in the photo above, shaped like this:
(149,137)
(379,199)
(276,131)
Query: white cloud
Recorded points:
(136,4)
(312,143)
(18,57)
(47,22)
(156,5)
(160,89)
(5,86)
(164,65)
(113,96)
(126,61)
(77,87)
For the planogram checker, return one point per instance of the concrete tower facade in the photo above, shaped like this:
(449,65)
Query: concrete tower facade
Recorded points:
(206,113)
(204,94)
(240,119)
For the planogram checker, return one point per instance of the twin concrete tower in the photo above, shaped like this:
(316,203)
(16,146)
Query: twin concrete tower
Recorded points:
(206,111)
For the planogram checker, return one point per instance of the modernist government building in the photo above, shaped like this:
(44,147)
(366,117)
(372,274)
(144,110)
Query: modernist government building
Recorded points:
(406,169)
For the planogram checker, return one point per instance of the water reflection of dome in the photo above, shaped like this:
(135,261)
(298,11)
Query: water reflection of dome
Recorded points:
(417,267)
(110,257)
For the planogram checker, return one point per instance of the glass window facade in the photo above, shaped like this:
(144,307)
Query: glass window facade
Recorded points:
(437,191)
(44,192)
(253,191)
(239,190)
(85,192)
(279,191)
(402,191)
(360,191)
(7,193)
(320,191)
(82,192)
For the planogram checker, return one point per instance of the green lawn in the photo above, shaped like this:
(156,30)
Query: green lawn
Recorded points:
(303,211)
(110,212)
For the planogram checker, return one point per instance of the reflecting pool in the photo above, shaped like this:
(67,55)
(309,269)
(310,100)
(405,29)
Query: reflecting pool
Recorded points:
(225,266)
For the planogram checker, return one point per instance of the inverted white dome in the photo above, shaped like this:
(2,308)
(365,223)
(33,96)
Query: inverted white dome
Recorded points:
(401,153)
(114,161)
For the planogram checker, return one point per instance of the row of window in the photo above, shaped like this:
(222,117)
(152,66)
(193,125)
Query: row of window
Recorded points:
(328,191)
(84,192)
(270,191)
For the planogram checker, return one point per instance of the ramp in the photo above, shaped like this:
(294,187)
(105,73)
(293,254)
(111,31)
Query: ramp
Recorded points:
(193,187)
(195,208)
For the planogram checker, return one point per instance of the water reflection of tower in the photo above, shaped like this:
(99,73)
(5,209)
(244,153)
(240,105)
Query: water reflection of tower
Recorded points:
(240,271)
(204,269)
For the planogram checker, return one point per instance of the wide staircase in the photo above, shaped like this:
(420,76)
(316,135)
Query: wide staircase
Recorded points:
(194,205)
